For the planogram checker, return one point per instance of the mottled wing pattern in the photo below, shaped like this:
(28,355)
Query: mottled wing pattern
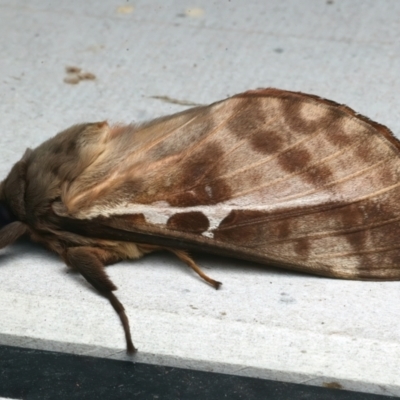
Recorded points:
(279,176)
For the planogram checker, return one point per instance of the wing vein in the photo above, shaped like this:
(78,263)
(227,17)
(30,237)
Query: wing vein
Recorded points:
(310,211)
(353,253)
(148,146)
(320,188)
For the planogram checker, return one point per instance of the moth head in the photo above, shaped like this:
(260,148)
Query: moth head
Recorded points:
(12,204)
(12,193)
(6,215)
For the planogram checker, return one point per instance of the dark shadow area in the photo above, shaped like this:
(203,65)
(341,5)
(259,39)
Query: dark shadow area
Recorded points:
(35,374)
(234,264)
(204,260)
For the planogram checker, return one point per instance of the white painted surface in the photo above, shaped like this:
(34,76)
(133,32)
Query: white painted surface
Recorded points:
(7,398)
(263,322)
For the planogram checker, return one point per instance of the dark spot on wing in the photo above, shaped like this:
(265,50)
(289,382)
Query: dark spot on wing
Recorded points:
(319,175)
(357,240)
(266,141)
(351,215)
(299,160)
(251,122)
(198,166)
(197,182)
(193,221)
(295,159)
(292,114)
(282,229)
(329,123)
(388,176)
(335,132)
(241,226)
(302,247)
(249,118)
(364,152)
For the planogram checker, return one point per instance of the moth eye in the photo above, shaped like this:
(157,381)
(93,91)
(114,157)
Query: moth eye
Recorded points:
(6,216)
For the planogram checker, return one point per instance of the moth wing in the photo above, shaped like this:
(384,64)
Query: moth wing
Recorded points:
(268,175)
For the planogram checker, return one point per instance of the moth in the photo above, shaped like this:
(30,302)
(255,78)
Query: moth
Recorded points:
(276,177)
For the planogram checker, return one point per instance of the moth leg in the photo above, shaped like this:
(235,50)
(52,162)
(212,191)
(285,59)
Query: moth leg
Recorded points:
(11,232)
(89,261)
(182,255)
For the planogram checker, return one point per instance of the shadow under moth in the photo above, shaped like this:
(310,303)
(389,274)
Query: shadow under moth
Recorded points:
(272,176)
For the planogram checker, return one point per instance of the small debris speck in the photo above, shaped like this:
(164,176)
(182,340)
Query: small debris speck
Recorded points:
(72,70)
(72,80)
(125,9)
(332,385)
(75,75)
(87,75)
(194,12)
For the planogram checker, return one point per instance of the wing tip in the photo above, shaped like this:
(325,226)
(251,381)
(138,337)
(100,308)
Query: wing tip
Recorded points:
(291,95)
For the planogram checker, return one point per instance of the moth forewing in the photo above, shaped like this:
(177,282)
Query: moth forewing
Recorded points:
(267,175)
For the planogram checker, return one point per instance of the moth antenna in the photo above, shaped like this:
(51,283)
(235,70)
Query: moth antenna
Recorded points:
(183,256)
(11,232)
(88,261)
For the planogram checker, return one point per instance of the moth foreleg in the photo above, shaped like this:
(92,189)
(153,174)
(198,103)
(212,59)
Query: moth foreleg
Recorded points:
(89,261)
(182,255)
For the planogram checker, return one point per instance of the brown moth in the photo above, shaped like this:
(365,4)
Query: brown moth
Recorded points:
(268,175)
